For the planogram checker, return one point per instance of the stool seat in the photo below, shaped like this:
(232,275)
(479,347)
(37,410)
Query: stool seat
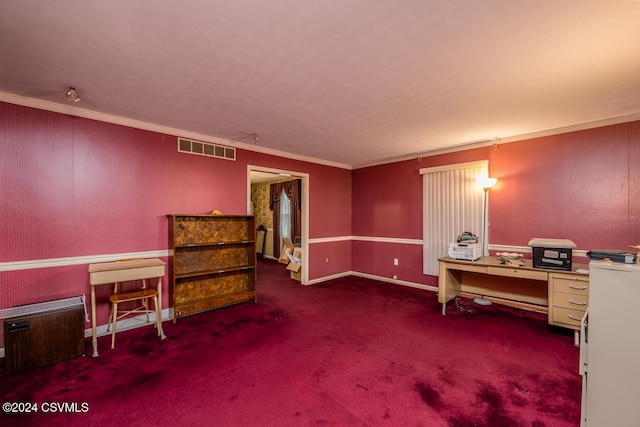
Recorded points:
(133,295)
(143,295)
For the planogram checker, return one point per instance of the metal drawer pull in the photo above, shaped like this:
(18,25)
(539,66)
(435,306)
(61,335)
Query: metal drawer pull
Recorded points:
(573,318)
(577,302)
(579,288)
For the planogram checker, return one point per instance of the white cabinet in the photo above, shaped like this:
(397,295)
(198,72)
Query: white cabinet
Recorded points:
(611,383)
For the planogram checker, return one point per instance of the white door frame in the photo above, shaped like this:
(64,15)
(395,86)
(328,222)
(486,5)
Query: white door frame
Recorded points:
(304,177)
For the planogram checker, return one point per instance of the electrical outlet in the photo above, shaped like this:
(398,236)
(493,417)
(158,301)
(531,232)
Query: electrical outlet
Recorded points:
(326,260)
(395,277)
(395,261)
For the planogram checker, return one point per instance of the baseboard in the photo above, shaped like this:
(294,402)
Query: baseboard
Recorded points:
(395,281)
(130,323)
(374,277)
(330,277)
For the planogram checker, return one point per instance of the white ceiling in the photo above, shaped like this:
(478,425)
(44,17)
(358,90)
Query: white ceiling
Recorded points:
(348,82)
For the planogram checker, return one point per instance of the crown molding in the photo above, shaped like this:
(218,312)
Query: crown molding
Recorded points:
(138,124)
(153,127)
(504,140)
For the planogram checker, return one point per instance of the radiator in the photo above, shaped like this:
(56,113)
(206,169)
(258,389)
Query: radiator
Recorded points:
(40,334)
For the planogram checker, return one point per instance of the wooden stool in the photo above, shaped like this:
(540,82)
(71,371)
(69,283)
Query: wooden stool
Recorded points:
(142,295)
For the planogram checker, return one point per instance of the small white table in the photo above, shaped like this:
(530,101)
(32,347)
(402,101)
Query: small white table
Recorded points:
(123,271)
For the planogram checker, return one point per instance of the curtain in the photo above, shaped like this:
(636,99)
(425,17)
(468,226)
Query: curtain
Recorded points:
(290,189)
(452,203)
(285,218)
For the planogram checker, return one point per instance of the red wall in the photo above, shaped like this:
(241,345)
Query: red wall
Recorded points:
(76,187)
(331,258)
(583,186)
(576,186)
(73,187)
(388,201)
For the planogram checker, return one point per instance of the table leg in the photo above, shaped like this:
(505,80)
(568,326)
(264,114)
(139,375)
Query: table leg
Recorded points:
(444,308)
(94,338)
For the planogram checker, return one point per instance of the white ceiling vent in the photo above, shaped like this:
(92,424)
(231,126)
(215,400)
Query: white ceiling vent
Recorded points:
(206,149)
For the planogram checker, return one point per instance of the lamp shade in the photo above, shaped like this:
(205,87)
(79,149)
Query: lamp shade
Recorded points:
(486,183)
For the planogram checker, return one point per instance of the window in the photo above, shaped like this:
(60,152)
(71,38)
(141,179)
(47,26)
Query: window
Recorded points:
(285,218)
(452,203)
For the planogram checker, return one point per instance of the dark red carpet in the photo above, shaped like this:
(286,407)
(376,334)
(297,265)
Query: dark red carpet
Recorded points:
(349,352)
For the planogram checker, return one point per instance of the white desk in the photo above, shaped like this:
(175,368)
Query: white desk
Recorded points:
(123,271)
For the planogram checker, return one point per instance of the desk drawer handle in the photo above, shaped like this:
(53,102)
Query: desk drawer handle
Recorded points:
(579,288)
(577,302)
(573,318)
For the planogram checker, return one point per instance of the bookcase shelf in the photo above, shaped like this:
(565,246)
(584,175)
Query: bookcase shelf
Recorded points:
(214,262)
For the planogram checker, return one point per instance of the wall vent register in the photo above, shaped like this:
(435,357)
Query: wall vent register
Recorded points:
(200,148)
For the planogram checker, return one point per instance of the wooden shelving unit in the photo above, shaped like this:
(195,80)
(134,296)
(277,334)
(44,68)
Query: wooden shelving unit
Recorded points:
(214,262)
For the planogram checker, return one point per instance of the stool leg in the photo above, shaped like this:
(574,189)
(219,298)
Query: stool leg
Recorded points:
(158,318)
(145,304)
(114,318)
(145,301)
(115,291)
(110,317)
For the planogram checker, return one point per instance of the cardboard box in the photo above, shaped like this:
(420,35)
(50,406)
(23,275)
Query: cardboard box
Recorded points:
(287,249)
(295,264)
(296,271)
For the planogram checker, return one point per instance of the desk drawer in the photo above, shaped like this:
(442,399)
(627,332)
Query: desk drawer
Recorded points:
(465,267)
(572,301)
(518,272)
(567,316)
(571,285)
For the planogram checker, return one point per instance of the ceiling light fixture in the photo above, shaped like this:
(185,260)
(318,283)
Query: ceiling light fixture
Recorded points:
(72,95)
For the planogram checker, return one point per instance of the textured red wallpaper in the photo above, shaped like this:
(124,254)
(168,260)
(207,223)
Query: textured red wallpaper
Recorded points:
(583,186)
(574,186)
(73,187)
(388,201)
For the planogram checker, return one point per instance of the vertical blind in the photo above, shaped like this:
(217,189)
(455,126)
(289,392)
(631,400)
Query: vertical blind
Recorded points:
(452,203)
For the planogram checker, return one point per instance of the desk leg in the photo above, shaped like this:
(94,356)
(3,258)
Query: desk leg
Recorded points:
(94,338)
(444,308)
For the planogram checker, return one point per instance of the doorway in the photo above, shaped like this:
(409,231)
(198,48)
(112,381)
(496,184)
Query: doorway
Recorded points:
(259,174)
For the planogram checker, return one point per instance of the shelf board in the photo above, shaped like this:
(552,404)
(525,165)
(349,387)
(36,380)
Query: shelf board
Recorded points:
(204,244)
(215,271)
(200,305)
